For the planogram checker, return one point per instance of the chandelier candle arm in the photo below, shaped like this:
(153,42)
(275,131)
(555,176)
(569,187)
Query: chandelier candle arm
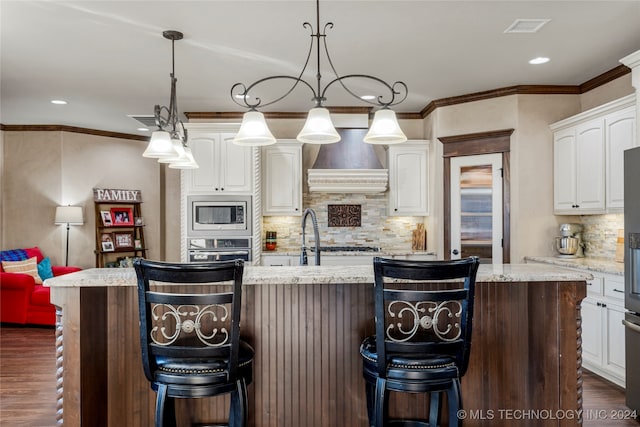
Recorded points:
(318,128)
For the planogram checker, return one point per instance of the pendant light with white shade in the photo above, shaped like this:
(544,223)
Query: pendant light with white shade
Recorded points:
(168,144)
(318,128)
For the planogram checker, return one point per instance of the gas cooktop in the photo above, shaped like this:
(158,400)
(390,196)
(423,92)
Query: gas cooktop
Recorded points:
(348,249)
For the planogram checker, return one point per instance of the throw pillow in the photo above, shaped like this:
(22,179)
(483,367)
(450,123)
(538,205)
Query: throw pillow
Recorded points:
(34,252)
(44,269)
(28,266)
(13,255)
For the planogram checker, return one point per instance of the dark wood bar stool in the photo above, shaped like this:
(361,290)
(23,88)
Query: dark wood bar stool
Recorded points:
(191,346)
(423,335)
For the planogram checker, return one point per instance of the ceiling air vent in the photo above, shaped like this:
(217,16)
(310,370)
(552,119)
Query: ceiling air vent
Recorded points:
(526,25)
(148,121)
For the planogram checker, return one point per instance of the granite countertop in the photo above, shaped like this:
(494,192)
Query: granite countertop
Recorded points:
(601,265)
(304,275)
(382,253)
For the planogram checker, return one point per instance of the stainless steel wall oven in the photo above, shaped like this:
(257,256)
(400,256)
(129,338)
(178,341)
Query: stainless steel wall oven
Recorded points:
(206,250)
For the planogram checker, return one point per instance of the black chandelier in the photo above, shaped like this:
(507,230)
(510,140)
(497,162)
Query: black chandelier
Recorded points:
(318,128)
(169,143)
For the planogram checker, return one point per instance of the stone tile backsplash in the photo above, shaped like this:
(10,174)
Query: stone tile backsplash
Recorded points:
(377,229)
(600,234)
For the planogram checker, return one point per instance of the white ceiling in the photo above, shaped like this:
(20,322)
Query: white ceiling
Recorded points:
(108,59)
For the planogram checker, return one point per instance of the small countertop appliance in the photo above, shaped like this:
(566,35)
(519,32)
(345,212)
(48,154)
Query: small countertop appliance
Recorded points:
(569,244)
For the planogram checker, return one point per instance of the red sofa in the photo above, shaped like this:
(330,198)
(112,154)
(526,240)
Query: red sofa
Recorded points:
(23,301)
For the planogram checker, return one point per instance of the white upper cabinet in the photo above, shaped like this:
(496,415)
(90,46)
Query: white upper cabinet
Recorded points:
(588,158)
(590,166)
(620,130)
(409,179)
(564,170)
(282,178)
(224,167)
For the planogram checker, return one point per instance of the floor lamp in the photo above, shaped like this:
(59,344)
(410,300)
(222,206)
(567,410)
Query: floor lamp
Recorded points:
(70,215)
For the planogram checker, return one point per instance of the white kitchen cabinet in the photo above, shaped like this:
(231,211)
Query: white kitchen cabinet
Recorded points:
(602,330)
(282,179)
(278,260)
(588,158)
(409,179)
(620,131)
(579,166)
(224,167)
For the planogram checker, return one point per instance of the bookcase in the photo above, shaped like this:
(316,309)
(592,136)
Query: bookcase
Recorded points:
(119,227)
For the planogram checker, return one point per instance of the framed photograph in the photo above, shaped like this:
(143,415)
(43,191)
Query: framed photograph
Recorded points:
(107,246)
(138,244)
(139,221)
(122,216)
(106,218)
(123,240)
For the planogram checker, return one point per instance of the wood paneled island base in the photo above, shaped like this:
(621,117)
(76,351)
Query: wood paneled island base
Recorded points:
(306,325)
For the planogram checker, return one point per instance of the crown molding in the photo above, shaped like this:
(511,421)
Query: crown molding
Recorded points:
(587,86)
(72,129)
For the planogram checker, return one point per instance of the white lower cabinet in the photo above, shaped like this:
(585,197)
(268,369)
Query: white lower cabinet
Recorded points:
(602,329)
(278,260)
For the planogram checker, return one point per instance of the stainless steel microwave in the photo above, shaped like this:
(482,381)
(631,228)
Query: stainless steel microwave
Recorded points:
(219,216)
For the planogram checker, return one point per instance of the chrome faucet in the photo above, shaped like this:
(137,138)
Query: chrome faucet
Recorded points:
(316,236)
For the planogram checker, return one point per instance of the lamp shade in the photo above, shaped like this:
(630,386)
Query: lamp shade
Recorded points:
(159,145)
(318,129)
(179,153)
(69,215)
(385,129)
(254,131)
(187,163)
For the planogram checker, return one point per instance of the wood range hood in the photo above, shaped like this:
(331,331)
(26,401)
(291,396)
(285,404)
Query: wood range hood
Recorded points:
(348,166)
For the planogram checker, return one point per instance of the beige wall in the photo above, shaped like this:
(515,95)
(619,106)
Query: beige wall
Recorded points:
(608,92)
(45,169)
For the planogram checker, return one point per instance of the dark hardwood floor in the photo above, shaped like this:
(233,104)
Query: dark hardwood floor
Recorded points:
(28,384)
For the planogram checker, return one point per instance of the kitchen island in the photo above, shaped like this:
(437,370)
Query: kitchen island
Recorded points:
(306,325)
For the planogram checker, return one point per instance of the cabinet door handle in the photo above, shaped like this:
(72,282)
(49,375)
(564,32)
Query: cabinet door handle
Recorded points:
(599,304)
(604,305)
(618,290)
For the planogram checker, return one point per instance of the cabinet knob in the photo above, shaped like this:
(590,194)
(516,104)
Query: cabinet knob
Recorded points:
(604,305)
(216,188)
(396,209)
(297,209)
(221,188)
(599,304)
(455,252)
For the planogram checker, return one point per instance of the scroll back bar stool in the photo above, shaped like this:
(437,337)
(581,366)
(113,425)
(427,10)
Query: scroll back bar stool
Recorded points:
(190,342)
(423,337)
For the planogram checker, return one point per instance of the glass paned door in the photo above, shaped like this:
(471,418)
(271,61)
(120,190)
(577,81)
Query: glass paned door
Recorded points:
(476,207)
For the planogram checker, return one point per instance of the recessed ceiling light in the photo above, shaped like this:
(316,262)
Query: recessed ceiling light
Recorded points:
(143,129)
(368,97)
(59,101)
(539,60)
